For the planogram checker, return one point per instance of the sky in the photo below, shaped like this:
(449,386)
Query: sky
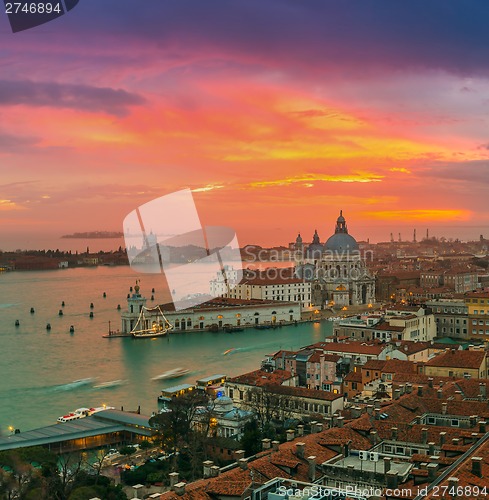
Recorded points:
(276,113)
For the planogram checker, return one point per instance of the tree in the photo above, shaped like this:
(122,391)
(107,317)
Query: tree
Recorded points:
(175,426)
(251,440)
(268,405)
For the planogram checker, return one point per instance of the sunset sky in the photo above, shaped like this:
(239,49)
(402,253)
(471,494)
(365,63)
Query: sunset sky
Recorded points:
(276,113)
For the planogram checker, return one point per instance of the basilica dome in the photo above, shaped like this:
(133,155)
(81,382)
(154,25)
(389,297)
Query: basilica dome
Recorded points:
(341,241)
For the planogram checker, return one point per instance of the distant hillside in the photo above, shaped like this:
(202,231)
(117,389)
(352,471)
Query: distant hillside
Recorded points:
(94,235)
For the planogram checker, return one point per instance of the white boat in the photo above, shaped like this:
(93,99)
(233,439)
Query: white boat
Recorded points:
(149,326)
(108,385)
(82,413)
(175,373)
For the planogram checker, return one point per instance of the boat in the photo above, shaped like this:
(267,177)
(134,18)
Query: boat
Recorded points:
(229,351)
(108,385)
(175,373)
(82,413)
(233,329)
(146,328)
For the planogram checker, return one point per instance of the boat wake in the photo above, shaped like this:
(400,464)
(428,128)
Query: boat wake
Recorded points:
(109,385)
(73,385)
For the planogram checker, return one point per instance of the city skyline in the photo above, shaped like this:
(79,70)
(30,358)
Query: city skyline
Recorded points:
(276,117)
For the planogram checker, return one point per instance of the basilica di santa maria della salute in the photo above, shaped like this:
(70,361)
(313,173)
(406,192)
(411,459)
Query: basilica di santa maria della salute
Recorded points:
(337,270)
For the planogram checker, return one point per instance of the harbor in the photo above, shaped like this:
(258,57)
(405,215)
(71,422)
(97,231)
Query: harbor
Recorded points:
(51,371)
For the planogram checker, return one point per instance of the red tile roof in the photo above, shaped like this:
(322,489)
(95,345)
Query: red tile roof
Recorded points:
(260,378)
(458,359)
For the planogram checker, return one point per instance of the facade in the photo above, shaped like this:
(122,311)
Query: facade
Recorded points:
(222,419)
(272,284)
(278,394)
(338,272)
(451,317)
(215,313)
(459,364)
(458,280)
(400,323)
(477,304)
(314,368)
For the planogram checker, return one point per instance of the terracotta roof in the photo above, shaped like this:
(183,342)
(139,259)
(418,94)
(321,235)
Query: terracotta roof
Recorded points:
(458,359)
(355,348)
(260,378)
(353,377)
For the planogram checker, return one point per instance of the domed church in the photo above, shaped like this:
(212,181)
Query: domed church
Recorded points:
(337,270)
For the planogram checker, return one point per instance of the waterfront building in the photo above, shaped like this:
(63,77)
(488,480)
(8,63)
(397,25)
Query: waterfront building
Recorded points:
(451,317)
(457,279)
(277,284)
(396,323)
(277,394)
(337,270)
(478,314)
(215,313)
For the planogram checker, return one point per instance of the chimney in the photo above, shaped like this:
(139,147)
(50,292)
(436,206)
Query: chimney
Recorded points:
(477,466)
(444,408)
(439,393)
(370,409)
(275,445)
(207,468)
(394,433)
(290,434)
(443,436)
(424,435)
(458,395)
(387,464)
(397,393)
(402,389)
(377,404)
(356,411)
(420,390)
(215,470)
(373,437)
(377,413)
(441,384)
(320,427)
(180,489)
(346,449)
(482,390)
(314,426)
(431,448)
(312,468)
(300,430)
(456,441)
(340,421)
(430,382)
(238,455)
(432,468)
(482,426)
(453,485)
(266,444)
(409,388)
(392,480)
(299,449)
(473,420)
(173,480)
(243,463)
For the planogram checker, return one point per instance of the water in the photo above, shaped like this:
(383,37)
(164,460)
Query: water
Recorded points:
(45,374)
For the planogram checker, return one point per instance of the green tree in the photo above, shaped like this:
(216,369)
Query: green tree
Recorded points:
(251,440)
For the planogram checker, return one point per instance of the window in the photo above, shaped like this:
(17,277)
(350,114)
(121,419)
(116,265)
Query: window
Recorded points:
(431,420)
(231,393)
(454,422)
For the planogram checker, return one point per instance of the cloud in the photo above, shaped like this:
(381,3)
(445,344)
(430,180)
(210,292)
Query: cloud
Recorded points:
(62,95)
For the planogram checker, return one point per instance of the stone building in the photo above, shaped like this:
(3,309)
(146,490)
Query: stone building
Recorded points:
(336,268)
